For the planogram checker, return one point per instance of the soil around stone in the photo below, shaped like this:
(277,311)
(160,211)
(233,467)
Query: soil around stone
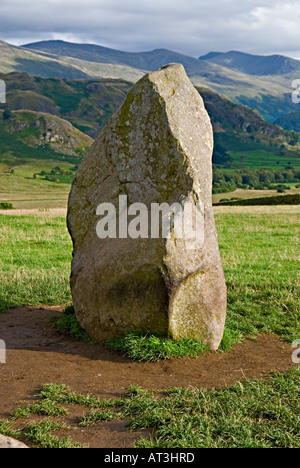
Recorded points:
(36,354)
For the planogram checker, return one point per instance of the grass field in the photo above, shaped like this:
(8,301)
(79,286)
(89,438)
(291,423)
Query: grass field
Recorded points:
(260,253)
(260,250)
(34,261)
(245,194)
(262,159)
(26,192)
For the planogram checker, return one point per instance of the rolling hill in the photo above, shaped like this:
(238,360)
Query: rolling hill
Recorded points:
(87,104)
(39,156)
(14,58)
(244,139)
(241,134)
(60,96)
(258,65)
(245,83)
(26,135)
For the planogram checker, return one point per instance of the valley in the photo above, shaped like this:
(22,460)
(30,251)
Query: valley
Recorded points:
(61,95)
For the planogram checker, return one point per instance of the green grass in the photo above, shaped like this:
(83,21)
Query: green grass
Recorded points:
(250,414)
(24,191)
(67,324)
(293,200)
(41,434)
(151,348)
(35,261)
(263,159)
(62,394)
(6,429)
(6,206)
(96,416)
(260,257)
(45,407)
(260,254)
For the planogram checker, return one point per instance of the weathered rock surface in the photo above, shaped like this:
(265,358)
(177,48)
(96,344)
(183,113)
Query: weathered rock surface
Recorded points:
(8,442)
(157,148)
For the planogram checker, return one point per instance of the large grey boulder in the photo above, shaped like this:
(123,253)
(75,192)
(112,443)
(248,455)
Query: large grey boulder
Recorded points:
(157,148)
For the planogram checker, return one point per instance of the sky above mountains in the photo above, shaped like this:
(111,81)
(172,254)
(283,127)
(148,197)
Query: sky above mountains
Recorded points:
(193,27)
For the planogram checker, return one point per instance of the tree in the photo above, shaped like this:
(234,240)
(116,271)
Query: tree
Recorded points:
(6,114)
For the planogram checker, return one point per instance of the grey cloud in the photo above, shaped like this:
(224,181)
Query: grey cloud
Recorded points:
(191,26)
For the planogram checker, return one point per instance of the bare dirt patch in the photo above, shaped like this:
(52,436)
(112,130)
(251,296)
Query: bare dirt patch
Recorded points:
(37,355)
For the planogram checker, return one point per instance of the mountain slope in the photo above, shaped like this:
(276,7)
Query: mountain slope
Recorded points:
(14,58)
(27,135)
(290,121)
(147,61)
(243,138)
(88,104)
(270,95)
(258,65)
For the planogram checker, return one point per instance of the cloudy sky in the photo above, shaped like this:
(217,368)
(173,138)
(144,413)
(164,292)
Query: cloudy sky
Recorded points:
(193,27)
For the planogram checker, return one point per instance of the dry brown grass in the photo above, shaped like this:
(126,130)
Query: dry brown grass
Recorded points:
(241,193)
(272,209)
(62,212)
(51,212)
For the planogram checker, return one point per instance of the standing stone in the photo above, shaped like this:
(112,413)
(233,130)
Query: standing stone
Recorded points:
(157,148)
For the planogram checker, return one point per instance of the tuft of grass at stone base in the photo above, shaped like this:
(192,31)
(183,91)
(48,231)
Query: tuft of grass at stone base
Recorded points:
(151,348)
(67,324)
(142,347)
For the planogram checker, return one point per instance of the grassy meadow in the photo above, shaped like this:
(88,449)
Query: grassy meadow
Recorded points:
(262,159)
(260,250)
(259,246)
(26,188)
(34,261)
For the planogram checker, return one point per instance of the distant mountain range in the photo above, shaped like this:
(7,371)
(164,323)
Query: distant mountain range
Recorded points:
(62,94)
(43,107)
(258,65)
(262,83)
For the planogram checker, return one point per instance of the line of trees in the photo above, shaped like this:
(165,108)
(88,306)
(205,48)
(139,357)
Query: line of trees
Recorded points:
(259,179)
